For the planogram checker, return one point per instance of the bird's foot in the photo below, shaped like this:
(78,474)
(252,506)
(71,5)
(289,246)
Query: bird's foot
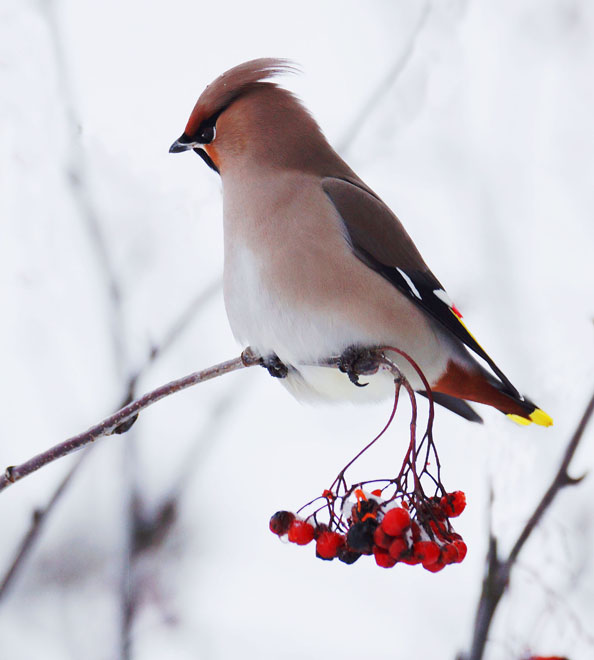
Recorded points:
(358,361)
(272,362)
(275,367)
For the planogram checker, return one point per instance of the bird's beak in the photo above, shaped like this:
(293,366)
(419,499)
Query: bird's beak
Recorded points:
(183,143)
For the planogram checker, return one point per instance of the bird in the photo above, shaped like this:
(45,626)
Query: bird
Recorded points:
(317,265)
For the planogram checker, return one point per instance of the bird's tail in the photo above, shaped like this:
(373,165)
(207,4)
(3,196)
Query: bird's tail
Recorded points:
(531,414)
(481,386)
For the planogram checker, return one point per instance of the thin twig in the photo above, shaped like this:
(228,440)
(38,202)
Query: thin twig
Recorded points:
(498,571)
(123,418)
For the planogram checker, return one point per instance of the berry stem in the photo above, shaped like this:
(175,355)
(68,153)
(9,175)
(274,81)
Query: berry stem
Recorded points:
(340,480)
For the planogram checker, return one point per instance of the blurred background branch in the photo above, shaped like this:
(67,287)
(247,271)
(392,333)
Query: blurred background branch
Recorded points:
(498,571)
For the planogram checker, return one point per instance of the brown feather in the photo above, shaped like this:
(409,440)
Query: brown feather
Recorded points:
(379,240)
(232,84)
(373,227)
(268,127)
(472,385)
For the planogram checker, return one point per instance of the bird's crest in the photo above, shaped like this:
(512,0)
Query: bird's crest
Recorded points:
(232,84)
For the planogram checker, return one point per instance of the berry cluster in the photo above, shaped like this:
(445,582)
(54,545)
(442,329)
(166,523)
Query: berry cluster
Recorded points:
(397,522)
(371,525)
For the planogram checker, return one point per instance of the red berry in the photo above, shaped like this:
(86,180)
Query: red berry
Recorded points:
(426,551)
(381,539)
(360,536)
(301,532)
(319,529)
(438,528)
(395,521)
(411,560)
(461,548)
(449,554)
(383,558)
(416,531)
(347,556)
(280,522)
(328,544)
(377,492)
(435,567)
(398,548)
(453,503)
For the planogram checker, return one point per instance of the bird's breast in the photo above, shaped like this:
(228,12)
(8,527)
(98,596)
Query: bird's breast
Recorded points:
(270,319)
(294,287)
(283,247)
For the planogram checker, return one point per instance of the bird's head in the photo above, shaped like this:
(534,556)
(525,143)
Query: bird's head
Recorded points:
(243,119)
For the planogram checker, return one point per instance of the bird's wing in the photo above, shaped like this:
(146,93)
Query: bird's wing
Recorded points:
(381,242)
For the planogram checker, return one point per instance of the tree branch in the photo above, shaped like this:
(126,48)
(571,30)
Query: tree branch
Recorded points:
(123,419)
(498,571)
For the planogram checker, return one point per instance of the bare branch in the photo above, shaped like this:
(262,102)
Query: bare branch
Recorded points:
(498,571)
(122,419)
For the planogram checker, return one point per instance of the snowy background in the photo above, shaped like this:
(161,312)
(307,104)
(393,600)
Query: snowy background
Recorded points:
(473,120)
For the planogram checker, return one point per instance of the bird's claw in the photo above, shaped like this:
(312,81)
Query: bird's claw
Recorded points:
(275,367)
(356,361)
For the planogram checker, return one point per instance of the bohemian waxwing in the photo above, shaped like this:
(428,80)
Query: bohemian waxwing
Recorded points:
(316,263)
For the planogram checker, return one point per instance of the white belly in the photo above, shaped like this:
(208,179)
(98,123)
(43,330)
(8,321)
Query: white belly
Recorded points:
(258,315)
(299,337)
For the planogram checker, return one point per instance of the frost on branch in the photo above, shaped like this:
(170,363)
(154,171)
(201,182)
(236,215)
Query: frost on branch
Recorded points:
(401,519)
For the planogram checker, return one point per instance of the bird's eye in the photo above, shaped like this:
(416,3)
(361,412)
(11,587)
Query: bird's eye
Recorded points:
(207,134)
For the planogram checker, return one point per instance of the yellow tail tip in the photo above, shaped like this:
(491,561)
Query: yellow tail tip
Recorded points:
(541,418)
(518,419)
(538,416)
